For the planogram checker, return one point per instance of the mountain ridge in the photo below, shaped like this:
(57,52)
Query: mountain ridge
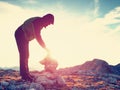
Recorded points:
(95,65)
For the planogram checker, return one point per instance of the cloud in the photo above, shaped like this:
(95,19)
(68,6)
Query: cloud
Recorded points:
(30,2)
(74,37)
(113,16)
(96,10)
(109,20)
(11,17)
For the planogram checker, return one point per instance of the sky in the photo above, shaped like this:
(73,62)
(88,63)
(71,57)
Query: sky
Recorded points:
(82,30)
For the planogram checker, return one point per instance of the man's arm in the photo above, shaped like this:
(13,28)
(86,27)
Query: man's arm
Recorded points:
(40,40)
(37,30)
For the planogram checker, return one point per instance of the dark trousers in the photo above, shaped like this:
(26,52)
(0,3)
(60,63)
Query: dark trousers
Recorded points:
(23,48)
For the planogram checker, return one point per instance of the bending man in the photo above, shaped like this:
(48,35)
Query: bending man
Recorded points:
(29,30)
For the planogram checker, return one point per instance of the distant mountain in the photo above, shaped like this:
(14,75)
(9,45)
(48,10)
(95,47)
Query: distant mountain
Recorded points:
(116,69)
(12,68)
(94,66)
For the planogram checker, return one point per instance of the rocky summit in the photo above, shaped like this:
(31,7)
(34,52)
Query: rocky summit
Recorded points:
(92,75)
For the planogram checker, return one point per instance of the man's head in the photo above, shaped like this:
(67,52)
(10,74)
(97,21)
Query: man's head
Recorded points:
(48,19)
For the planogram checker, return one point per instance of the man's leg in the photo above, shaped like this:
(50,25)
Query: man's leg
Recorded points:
(23,47)
(24,54)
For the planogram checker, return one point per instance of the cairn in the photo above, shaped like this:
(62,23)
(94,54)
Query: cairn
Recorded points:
(50,65)
(49,75)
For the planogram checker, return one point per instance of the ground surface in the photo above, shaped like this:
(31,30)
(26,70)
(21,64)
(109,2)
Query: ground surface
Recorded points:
(11,80)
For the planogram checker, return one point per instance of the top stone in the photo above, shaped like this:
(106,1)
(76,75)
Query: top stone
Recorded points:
(50,64)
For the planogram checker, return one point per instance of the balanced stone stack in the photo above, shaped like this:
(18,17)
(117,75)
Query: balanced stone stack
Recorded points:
(50,64)
(49,76)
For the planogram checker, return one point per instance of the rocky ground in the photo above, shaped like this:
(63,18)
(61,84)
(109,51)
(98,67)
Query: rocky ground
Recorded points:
(73,78)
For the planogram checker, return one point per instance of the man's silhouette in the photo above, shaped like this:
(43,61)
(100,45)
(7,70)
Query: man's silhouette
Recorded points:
(29,30)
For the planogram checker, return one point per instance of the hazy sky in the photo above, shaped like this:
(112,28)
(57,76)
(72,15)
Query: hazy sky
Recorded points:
(83,30)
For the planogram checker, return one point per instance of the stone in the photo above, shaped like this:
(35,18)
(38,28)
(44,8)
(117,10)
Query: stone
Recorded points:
(11,87)
(36,86)
(50,64)
(60,81)
(48,78)
(4,83)
(1,88)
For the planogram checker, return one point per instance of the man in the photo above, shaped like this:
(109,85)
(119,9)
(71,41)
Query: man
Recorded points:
(29,30)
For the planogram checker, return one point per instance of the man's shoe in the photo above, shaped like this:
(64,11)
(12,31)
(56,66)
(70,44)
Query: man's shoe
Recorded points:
(28,78)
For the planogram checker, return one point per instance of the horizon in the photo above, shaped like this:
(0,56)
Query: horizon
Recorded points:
(83,30)
(36,69)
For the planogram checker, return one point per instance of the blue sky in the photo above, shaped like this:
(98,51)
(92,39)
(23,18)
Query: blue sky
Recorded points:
(78,6)
(83,30)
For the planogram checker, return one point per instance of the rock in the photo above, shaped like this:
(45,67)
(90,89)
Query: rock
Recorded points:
(32,89)
(11,87)
(12,82)
(60,81)
(50,64)
(36,86)
(4,84)
(96,65)
(22,87)
(47,78)
(1,88)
